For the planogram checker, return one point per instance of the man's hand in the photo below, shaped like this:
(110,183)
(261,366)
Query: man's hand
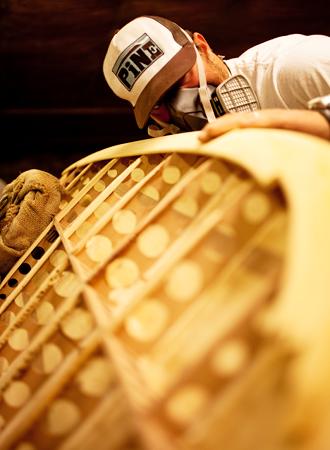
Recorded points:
(307,121)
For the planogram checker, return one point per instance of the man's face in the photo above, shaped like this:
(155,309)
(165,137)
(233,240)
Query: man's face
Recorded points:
(165,111)
(161,110)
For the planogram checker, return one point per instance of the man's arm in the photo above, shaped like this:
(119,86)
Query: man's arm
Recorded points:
(311,122)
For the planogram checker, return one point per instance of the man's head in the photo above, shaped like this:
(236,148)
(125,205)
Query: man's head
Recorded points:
(145,59)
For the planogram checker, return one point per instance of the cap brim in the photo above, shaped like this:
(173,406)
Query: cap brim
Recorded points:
(175,69)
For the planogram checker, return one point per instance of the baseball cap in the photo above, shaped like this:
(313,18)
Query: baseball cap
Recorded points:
(145,59)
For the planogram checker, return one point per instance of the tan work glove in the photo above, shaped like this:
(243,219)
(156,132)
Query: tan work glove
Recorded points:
(27,206)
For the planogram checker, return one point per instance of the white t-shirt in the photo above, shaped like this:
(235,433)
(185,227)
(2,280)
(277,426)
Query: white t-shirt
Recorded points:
(287,71)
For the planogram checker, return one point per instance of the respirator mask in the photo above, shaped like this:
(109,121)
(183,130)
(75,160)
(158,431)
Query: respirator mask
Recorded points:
(190,109)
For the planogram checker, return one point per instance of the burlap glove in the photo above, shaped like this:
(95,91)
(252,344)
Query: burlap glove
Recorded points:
(27,206)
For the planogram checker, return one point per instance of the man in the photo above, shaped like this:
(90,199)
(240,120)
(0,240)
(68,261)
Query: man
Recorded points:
(169,75)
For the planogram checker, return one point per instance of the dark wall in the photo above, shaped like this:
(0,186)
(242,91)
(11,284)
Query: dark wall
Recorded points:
(55,104)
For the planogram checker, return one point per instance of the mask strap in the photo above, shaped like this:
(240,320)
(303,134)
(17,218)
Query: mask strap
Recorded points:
(204,93)
(203,90)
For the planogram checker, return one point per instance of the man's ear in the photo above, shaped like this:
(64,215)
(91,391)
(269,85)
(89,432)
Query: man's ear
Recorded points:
(201,43)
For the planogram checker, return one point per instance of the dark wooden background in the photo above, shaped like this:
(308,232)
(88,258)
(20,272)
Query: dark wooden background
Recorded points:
(55,104)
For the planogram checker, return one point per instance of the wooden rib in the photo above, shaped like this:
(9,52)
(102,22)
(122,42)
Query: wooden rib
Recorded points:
(125,367)
(207,310)
(26,254)
(76,266)
(78,177)
(99,199)
(189,239)
(205,307)
(100,313)
(192,234)
(29,276)
(32,303)
(112,408)
(74,174)
(200,224)
(234,394)
(276,224)
(159,208)
(139,396)
(27,416)
(118,205)
(23,359)
(85,189)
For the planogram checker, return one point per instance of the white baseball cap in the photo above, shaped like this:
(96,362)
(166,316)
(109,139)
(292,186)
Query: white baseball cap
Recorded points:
(145,59)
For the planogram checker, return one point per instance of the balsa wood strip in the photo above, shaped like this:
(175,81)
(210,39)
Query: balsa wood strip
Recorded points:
(113,411)
(25,418)
(27,278)
(26,254)
(100,198)
(85,189)
(77,178)
(32,303)
(155,212)
(23,359)
(99,224)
